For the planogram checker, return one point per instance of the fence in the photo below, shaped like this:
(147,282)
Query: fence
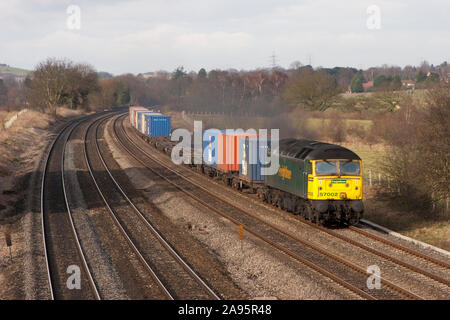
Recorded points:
(221,114)
(9,123)
(372,178)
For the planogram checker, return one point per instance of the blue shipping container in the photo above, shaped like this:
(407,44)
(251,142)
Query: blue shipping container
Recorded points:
(157,125)
(141,123)
(252,157)
(210,146)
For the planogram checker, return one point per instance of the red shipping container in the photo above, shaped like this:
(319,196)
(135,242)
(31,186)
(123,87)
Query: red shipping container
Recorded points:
(228,150)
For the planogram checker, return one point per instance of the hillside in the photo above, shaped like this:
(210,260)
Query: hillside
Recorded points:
(13,71)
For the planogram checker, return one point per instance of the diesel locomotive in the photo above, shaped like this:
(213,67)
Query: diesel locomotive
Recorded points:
(320,181)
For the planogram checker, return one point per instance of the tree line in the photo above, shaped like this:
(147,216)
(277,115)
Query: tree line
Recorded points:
(264,91)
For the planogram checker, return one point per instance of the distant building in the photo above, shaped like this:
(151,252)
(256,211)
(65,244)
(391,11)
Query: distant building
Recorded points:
(367,85)
(408,84)
(10,76)
(147,75)
(157,74)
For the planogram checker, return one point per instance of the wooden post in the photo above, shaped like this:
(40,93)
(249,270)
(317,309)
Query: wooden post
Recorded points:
(370,177)
(241,234)
(8,243)
(432,198)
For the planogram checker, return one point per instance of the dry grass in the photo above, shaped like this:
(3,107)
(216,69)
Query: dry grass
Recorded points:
(19,145)
(430,227)
(437,234)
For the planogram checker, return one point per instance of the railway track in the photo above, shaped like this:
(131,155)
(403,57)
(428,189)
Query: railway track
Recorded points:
(402,248)
(336,268)
(439,271)
(445,266)
(63,252)
(383,255)
(175,278)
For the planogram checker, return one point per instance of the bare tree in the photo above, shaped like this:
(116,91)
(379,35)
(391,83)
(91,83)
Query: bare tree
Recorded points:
(3,93)
(61,82)
(312,90)
(50,80)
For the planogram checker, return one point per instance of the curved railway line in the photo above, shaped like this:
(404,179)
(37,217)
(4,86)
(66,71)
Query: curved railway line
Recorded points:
(175,278)
(62,247)
(347,270)
(383,255)
(172,275)
(61,251)
(402,248)
(354,229)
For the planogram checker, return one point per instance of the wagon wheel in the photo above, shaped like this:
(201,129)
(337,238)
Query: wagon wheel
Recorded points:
(279,203)
(270,198)
(225,180)
(354,219)
(320,221)
(261,194)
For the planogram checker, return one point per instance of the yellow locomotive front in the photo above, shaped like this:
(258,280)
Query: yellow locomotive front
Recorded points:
(335,179)
(321,181)
(335,187)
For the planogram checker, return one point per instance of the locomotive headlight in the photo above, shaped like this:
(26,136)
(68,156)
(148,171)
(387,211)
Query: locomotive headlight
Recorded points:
(347,185)
(356,188)
(320,181)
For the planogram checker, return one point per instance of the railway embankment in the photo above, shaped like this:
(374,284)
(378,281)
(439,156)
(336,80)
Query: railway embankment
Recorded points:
(23,145)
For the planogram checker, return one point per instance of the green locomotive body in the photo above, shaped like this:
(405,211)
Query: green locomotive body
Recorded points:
(321,181)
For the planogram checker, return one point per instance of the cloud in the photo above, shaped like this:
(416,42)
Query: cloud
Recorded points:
(139,36)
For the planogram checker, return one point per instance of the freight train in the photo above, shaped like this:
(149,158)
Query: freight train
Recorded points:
(320,181)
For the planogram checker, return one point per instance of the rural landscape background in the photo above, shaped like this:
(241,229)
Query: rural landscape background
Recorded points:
(396,119)
(372,76)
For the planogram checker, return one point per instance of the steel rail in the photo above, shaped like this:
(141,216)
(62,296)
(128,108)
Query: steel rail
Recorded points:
(74,124)
(390,284)
(313,266)
(80,250)
(160,238)
(402,248)
(374,251)
(119,225)
(49,279)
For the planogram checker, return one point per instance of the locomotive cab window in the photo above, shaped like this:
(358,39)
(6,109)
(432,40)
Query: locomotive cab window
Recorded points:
(326,168)
(349,168)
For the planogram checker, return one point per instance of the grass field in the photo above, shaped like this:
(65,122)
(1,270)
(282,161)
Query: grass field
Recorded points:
(15,71)
(430,227)
(319,124)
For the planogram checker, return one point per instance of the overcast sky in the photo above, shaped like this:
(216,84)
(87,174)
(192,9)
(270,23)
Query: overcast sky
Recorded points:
(139,36)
